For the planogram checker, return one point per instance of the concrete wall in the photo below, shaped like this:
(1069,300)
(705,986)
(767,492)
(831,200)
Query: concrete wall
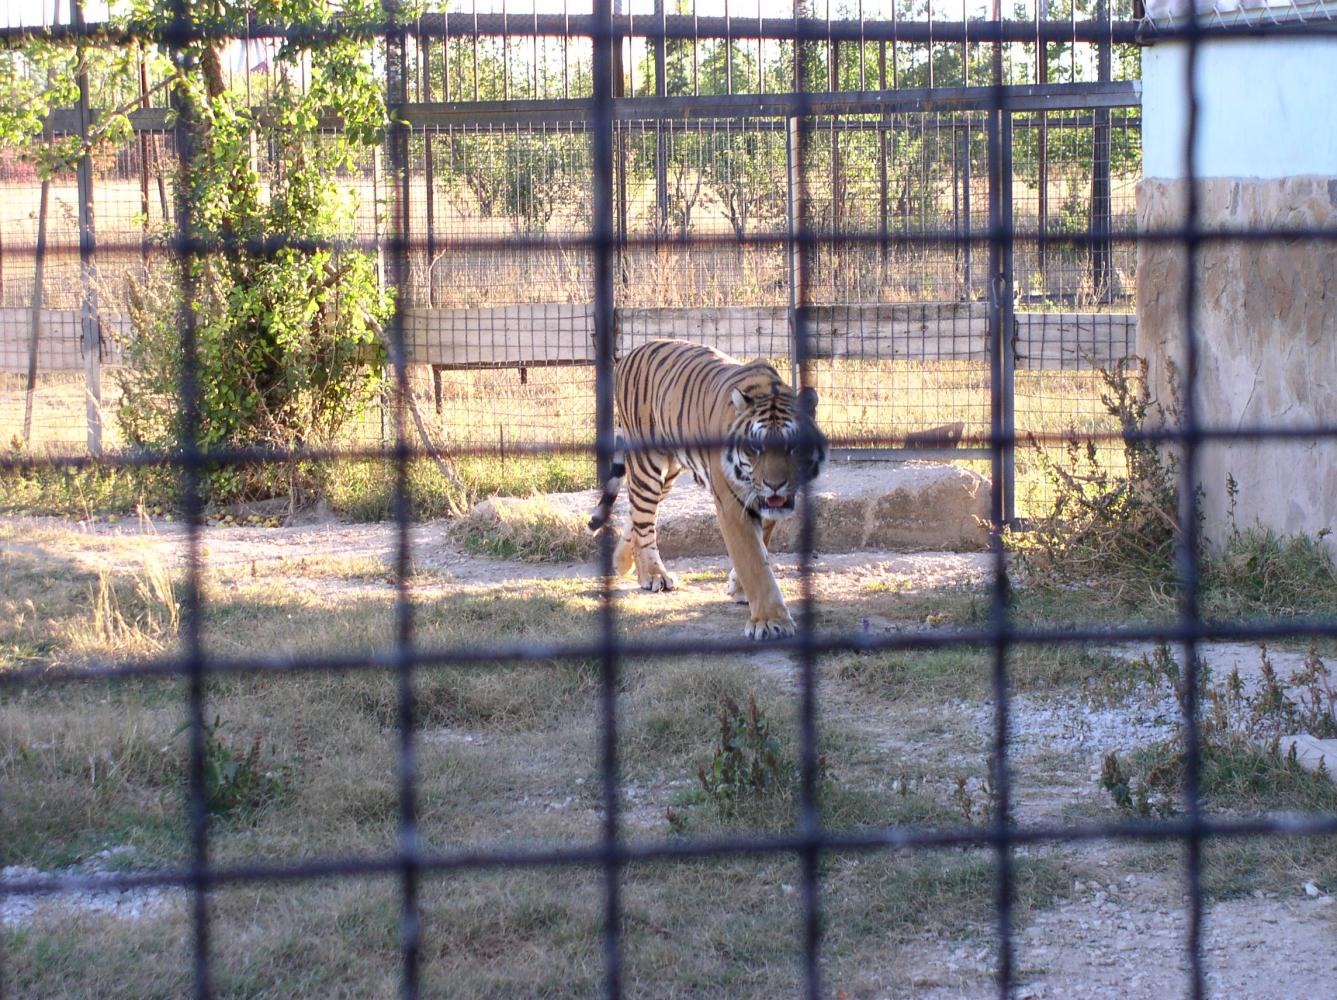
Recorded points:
(1266,312)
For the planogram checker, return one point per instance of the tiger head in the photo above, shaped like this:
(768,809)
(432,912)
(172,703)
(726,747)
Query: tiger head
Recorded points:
(774,447)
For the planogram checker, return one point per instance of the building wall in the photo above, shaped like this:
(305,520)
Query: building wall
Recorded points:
(1265,108)
(1266,312)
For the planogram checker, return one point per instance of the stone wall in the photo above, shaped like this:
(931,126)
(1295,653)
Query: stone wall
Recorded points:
(1267,335)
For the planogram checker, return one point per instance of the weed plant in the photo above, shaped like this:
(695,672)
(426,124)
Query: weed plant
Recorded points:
(1118,526)
(750,775)
(1243,768)
(235,783)
(1259,571)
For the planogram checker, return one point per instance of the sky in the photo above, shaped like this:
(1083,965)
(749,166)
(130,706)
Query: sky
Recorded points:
(27,12)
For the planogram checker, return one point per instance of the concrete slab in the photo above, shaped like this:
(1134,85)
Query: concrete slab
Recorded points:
(1312,753)
(898,506)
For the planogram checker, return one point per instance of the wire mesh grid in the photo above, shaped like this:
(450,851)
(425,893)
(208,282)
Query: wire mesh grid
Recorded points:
(603,864)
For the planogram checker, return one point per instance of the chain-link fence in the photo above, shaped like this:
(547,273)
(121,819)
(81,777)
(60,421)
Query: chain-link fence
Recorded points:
(947,258)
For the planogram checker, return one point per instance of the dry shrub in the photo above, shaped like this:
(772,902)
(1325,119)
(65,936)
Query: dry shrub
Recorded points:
(1118,526)
(135,616)
(533,529)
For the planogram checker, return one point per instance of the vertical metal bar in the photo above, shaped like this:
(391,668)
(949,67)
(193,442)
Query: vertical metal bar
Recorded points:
(445,53)
(1101,241)
(1007,316)
(144,161)
(761,53)
(883,220)
(396,277)
(505,56)
(809,822)
(863,83)
(429,176)
(696,36)
(35,320)
(601,124)
(966,228)
(91,337)
(928,8)
(1000,434)
(728,50)
(617,90)
(1042,152)
(837,202)
(1187,554)
(895,49)
(793,206)
(661,151)
(629,41)
(965,46)
(186,249)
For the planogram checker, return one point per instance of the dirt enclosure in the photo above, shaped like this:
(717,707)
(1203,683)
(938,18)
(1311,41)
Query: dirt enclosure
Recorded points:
(508,756)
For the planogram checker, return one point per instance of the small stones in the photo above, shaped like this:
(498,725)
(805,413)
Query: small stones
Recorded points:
(122,904)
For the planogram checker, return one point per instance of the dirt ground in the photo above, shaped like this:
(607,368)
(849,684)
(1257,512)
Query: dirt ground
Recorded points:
(1117,935)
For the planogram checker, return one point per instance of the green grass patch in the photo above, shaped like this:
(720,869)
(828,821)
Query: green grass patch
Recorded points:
(88,491)
(1261,573)
(956,672)
(365,490)
(532,529)
(1236,776)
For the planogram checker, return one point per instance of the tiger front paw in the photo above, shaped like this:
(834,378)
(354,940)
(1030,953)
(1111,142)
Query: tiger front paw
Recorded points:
(773,624)
(734,588)
(651,573)
(658,580)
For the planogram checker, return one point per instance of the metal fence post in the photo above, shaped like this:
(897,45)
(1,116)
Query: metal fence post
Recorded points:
(90,332)
(964,229)
(35,327)
(661,151)
(794,210)
(1007,317)
(1102,249)
(397,143)
(1002,319)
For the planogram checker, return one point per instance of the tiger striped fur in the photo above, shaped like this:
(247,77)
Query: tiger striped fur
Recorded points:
(741,432)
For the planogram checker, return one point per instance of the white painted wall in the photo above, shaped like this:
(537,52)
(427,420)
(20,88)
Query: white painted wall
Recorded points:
(1267,108)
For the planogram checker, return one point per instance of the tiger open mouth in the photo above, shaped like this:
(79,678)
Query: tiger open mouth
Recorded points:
(778,503)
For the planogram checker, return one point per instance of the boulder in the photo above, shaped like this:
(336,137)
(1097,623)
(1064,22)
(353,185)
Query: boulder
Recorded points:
(859,505)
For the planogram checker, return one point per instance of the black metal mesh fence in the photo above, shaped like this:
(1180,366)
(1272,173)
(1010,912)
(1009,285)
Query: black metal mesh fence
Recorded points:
(545,249)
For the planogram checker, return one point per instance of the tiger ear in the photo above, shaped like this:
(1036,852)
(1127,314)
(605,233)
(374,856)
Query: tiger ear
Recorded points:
(807,401)
(740,401)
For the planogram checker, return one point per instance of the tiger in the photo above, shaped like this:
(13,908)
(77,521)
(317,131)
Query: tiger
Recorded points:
(741,432)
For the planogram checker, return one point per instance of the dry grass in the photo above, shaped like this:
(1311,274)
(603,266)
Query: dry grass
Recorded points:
(533,529)
(507,757)
(504,411)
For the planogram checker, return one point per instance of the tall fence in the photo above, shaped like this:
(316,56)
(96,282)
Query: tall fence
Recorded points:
(900,184)
(886,243)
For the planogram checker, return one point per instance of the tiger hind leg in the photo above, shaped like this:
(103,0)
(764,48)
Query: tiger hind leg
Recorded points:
(649,478)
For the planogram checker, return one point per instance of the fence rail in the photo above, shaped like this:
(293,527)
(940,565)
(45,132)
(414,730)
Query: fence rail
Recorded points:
(563,334)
